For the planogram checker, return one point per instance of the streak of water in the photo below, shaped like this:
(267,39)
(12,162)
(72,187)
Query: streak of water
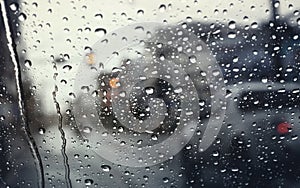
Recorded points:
(25,127)
(63,137)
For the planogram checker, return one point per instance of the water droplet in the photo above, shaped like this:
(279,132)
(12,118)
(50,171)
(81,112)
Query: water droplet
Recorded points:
(100,32)
(139,28)
(276,48)
(27,63)
(66,57)
(121,129)
(162,57)
(22,17)
(78,180)
(154,137)
(162,8)
(199,47)
(122,94)
(72,95)
(35,4)
(139,142)
(122,143)
(254,25)
(14,6)
(87,129)
(85,89)
(235,69)
(193,59)
(67,67)
(88,181)
(88,50)
(294,137)
(95,93)
(216,72)
(231,35)
(178,89)
(166,180)
(235,59)
(264,80)
(189,19)
(216,154)
(140,12)
(2,118)
(188,147)
(276,4)
(202,102)
(149,90)
(146,178)
(42,130)
(106,168)
(231,24)
(98,16)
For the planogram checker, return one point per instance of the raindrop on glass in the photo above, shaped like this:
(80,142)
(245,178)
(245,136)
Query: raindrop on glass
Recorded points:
(162,8)
(22,17)
(106,168)
(27,63)
(231,24)
(42,130)
(100,32)
(98,16)
(88,181)
(14,6)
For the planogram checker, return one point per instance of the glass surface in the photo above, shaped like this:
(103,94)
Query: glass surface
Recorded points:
(136,93)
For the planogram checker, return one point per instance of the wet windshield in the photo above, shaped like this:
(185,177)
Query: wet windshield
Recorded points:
(136,93)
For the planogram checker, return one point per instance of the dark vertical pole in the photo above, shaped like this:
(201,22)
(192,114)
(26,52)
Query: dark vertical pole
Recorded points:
(10,48)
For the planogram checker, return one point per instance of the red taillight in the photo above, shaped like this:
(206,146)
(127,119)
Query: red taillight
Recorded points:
(283,128)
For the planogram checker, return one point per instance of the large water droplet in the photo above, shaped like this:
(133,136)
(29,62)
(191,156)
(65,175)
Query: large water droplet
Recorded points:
(140,12)
(231,35)
(22,17)
(85,89)
(105,168)
(88,181)
(254,25)
(193,59)
(67,68)
(42,130)
(216,153)
(14,6)
(98,16)
(2,118)
(100,32)
(154,137)
(231,24)
(27,63)
(87,129)
(166,179)
(162,8)
(149,90)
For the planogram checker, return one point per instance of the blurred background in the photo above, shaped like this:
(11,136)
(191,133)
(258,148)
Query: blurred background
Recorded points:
(255,43)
